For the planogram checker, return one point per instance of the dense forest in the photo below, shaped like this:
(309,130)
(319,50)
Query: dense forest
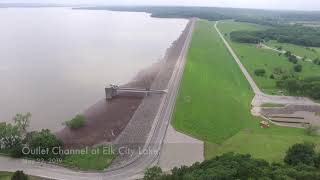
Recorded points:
(309,87)
(172,12)
(294,34)
(301,163)
(269,17)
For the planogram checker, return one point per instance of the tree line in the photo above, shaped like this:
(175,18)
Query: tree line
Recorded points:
(301,163)
(294,34)
(14,137)
(309,87)
(264,17)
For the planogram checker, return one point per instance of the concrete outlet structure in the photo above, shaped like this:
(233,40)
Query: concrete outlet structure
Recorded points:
(114,90)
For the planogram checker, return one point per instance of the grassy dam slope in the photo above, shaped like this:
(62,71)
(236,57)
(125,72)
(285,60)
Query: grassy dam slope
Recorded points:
(214,104)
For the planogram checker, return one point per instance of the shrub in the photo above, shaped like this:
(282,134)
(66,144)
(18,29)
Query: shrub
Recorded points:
(76,122)
(16,151)
(260,72)
(288,53)
(304,58)
(278,71)
(272,76)
(9,135)
(297,68)
(293,59)
(317,161)
(19,175)
(300,154)
(45,140)
(153,173)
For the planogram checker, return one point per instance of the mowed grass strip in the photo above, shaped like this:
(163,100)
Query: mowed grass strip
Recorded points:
(214,97)
(214,104)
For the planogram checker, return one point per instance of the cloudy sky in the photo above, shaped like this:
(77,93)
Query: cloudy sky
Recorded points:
(261,4)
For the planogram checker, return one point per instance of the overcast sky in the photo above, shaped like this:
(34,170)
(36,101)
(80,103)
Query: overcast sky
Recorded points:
(260,4)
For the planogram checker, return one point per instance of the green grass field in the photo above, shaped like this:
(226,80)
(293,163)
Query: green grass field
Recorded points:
(94,159)
(258,58)
(91,159)
(5,176)
(298,50)
(214,104)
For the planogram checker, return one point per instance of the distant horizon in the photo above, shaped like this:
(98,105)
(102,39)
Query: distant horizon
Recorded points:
(284,5)
(24,4)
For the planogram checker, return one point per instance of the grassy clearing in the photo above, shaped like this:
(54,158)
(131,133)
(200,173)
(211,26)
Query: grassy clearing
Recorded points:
(258,58)
(92,159)
(298,50)
(269,146)
(214,104)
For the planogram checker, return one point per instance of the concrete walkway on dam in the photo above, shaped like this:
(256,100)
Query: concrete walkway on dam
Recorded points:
(180,149)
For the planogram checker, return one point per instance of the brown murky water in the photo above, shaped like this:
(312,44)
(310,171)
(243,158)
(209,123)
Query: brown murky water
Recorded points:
(55,62)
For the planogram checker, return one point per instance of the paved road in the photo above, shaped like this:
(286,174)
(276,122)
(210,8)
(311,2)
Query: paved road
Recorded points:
(135,168)
(260,97)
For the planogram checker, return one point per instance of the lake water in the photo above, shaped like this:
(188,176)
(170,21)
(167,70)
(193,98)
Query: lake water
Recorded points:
(55,62)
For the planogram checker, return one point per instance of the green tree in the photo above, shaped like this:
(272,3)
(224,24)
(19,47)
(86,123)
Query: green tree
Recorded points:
(9,135)
(76,122)
(22,121)
(304,58)
(16,150)
(19,175)
(297,68)
(317,161)
(153,173)
(293,59)
(288,54)
(259,72)
(316,61)
(45,141)
(272,76)
(300,153)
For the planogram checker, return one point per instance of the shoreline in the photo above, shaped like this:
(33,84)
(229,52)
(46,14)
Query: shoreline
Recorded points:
(106,120)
